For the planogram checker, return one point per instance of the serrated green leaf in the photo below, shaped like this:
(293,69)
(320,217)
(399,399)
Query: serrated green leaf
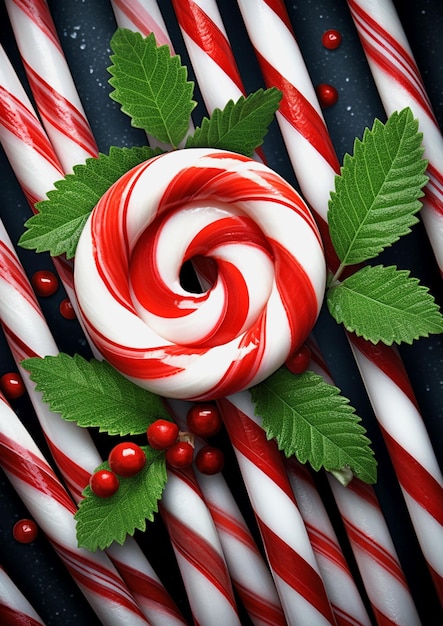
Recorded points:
(240,126)
(101,521)
(56,228)
(377,195)
(151,86)
(313,421)
(385,304)
(93,394)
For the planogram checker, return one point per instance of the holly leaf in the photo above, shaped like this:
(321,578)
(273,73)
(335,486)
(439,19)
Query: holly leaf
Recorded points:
(151,86)
(377,195)
(93,394)
(57,226)
(311,419)
(100,521)
(385,304)
(240,126)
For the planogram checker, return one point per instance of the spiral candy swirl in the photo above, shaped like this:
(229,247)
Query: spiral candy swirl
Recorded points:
(245,227)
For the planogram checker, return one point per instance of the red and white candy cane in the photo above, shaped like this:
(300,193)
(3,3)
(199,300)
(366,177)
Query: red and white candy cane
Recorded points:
(72,448)
(315,165)
(51,82)
(249,573)
(53,510)
(240,216)
(399,84)
(142,16)
(198,550)
(285,539)
(14,607)
(342,590)
(209,50)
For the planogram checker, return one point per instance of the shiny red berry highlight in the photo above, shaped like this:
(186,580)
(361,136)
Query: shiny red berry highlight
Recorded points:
(331,39)
(327,95)
(104,483)
(66,309)
(45,283)
(209,460)
(204,420)
(299,361)
(162,434)
(25,531)
(12,386)
(126,459)
(180,455)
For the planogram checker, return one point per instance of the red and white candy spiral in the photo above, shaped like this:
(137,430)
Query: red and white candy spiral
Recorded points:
(245,222)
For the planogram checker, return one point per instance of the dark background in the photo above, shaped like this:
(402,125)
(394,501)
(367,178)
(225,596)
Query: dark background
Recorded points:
(85,28)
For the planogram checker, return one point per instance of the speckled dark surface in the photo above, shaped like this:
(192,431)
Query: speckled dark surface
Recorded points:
(85,27)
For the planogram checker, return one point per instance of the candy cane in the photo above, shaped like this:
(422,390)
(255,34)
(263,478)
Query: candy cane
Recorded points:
(14,607)
(249,573)
(53,510)
(315,164)
(209,50)
(159,335)
(142,16)
(400,85)
(284,534)
(198,550)
(370,539)
(51,81)
(341,588)
(28,335)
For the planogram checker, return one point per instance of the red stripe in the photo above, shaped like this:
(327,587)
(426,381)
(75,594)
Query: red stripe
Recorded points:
(75,475)
(12,272)
(37,11)
(199,553)
(300,113)
(280,10)
(61,113)
(27,467)
(250,439)
(296,572)
(387,359)
(389,63)
(264,612)
(207,35)
(150,590)
(19,121)
(415,480)
(14,617)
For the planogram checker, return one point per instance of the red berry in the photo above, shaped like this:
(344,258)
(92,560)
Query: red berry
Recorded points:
(12,385)
(103,483)
(204,420)
(327,95)
(180,455)
(209,460)
(331,39)
(45,283)
(25,531)
(299,361)
(66,309)
(126,459)
(162,434)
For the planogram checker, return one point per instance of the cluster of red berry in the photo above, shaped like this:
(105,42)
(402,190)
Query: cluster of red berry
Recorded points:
(127,458)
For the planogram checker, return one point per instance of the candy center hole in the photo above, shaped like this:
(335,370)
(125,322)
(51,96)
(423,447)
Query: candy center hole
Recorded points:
(198,274)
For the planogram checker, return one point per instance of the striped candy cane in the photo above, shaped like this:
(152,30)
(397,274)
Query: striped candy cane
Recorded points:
(51,82)
(315,164)
(400,85)
(14,607)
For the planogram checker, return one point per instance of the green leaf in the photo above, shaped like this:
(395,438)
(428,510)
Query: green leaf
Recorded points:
(240,126)
(385,304)
(151,85)
(61,218)
(309,418)
(376,196)
(100,521)
(93,394)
